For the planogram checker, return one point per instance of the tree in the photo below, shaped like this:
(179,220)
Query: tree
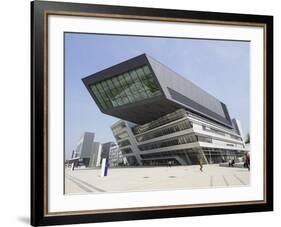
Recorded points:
(247,140)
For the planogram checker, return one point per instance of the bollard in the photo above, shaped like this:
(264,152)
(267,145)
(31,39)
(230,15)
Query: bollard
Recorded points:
(104,167)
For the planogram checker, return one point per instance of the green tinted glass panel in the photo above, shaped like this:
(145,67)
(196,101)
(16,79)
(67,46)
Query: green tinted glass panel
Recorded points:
(94,88)
(110,84)
(140,73)
(132,86)
(98,96)
(146,70)
(99,87)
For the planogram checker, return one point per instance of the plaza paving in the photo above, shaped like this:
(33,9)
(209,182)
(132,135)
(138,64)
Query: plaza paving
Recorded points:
(83,181)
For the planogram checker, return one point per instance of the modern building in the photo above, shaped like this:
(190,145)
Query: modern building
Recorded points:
(165,118)
(88,152)
(95,159)
(111,151)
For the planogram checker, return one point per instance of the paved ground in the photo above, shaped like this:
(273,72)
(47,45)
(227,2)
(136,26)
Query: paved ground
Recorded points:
(154,178)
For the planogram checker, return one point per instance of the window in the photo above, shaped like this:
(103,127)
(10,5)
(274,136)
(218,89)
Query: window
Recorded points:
(127,150)
(171,142)
(161,121)
(204,139)
(132,160)
(179,126)
(124,143)
(122,135)
(132,86)
(116,129)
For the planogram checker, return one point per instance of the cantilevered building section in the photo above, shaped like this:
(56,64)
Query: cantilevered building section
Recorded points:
(164,117)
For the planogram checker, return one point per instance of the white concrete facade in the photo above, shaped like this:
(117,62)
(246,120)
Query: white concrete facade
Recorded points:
(115,156)
(179,138)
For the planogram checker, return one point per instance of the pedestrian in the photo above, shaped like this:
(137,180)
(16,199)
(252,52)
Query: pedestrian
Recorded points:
(248,161)
(201,164)
(231,162)
(169,163)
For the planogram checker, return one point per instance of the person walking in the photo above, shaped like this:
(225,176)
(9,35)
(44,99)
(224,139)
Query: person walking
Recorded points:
(201,164)
(248,161)
(170,163)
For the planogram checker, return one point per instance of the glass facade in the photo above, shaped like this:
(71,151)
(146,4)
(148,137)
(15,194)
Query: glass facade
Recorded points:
(216,155)
(129,87)
(179,126)
(219,132)
(178,114)
(189,156)
(192,156)
(190,138)
(204,139)
(124,143)
(132,161)
(126,150)
(116,129)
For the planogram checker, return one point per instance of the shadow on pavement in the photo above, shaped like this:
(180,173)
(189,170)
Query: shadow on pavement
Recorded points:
(24,220)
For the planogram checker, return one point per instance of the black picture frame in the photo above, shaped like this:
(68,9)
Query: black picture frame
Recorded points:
(39,111)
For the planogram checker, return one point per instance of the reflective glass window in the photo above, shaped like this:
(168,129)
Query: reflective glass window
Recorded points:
(146,70)
(132,86)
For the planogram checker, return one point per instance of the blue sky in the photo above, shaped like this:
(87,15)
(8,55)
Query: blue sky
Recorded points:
(219,67)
